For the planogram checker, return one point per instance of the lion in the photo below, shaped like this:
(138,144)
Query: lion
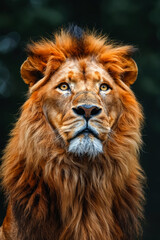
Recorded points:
(71,168)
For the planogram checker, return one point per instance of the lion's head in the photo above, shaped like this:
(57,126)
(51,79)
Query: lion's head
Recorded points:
(82,88)
(80,108)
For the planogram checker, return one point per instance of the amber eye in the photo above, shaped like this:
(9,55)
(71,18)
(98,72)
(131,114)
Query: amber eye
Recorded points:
(104,87)
(64,86)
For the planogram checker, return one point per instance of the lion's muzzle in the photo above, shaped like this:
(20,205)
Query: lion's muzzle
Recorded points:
(85,140)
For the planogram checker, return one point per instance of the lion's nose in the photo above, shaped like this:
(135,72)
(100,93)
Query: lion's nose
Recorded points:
(87,111)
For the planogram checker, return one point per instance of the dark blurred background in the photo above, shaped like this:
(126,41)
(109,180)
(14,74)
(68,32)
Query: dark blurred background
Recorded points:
(127,21)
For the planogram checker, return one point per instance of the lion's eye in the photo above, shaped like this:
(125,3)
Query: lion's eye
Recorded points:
(104,87)
(64,87)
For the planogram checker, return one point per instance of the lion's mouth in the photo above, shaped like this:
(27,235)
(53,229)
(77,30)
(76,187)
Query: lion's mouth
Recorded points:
(86,132)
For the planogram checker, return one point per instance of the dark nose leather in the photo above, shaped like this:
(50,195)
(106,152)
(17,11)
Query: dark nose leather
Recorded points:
(87,111)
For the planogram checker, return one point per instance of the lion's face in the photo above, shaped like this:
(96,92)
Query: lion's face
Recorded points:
(82,105)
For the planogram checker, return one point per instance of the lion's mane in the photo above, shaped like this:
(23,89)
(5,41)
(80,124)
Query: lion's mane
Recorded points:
(54,195)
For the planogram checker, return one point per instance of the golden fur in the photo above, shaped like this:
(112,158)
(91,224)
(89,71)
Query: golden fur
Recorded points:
(57,194)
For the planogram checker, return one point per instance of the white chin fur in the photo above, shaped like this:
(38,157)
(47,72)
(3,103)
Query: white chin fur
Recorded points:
(85,145)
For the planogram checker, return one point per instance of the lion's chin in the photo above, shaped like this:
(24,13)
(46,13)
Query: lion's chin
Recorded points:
(85,145)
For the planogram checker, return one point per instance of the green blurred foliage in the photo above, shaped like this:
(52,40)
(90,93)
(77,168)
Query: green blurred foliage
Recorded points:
(127,21)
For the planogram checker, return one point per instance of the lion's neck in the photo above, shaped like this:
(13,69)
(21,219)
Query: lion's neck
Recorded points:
(73,197)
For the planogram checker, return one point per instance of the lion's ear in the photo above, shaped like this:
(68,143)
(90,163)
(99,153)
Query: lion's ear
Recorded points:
(43,59)
(130,72)
(118,62)
(32,70)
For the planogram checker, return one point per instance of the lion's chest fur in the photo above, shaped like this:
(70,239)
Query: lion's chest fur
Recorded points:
(75,204)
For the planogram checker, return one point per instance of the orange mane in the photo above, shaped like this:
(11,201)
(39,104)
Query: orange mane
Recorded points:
(52,193)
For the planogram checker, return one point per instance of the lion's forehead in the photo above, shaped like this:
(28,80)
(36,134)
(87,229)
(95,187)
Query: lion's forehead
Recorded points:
(83,69)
